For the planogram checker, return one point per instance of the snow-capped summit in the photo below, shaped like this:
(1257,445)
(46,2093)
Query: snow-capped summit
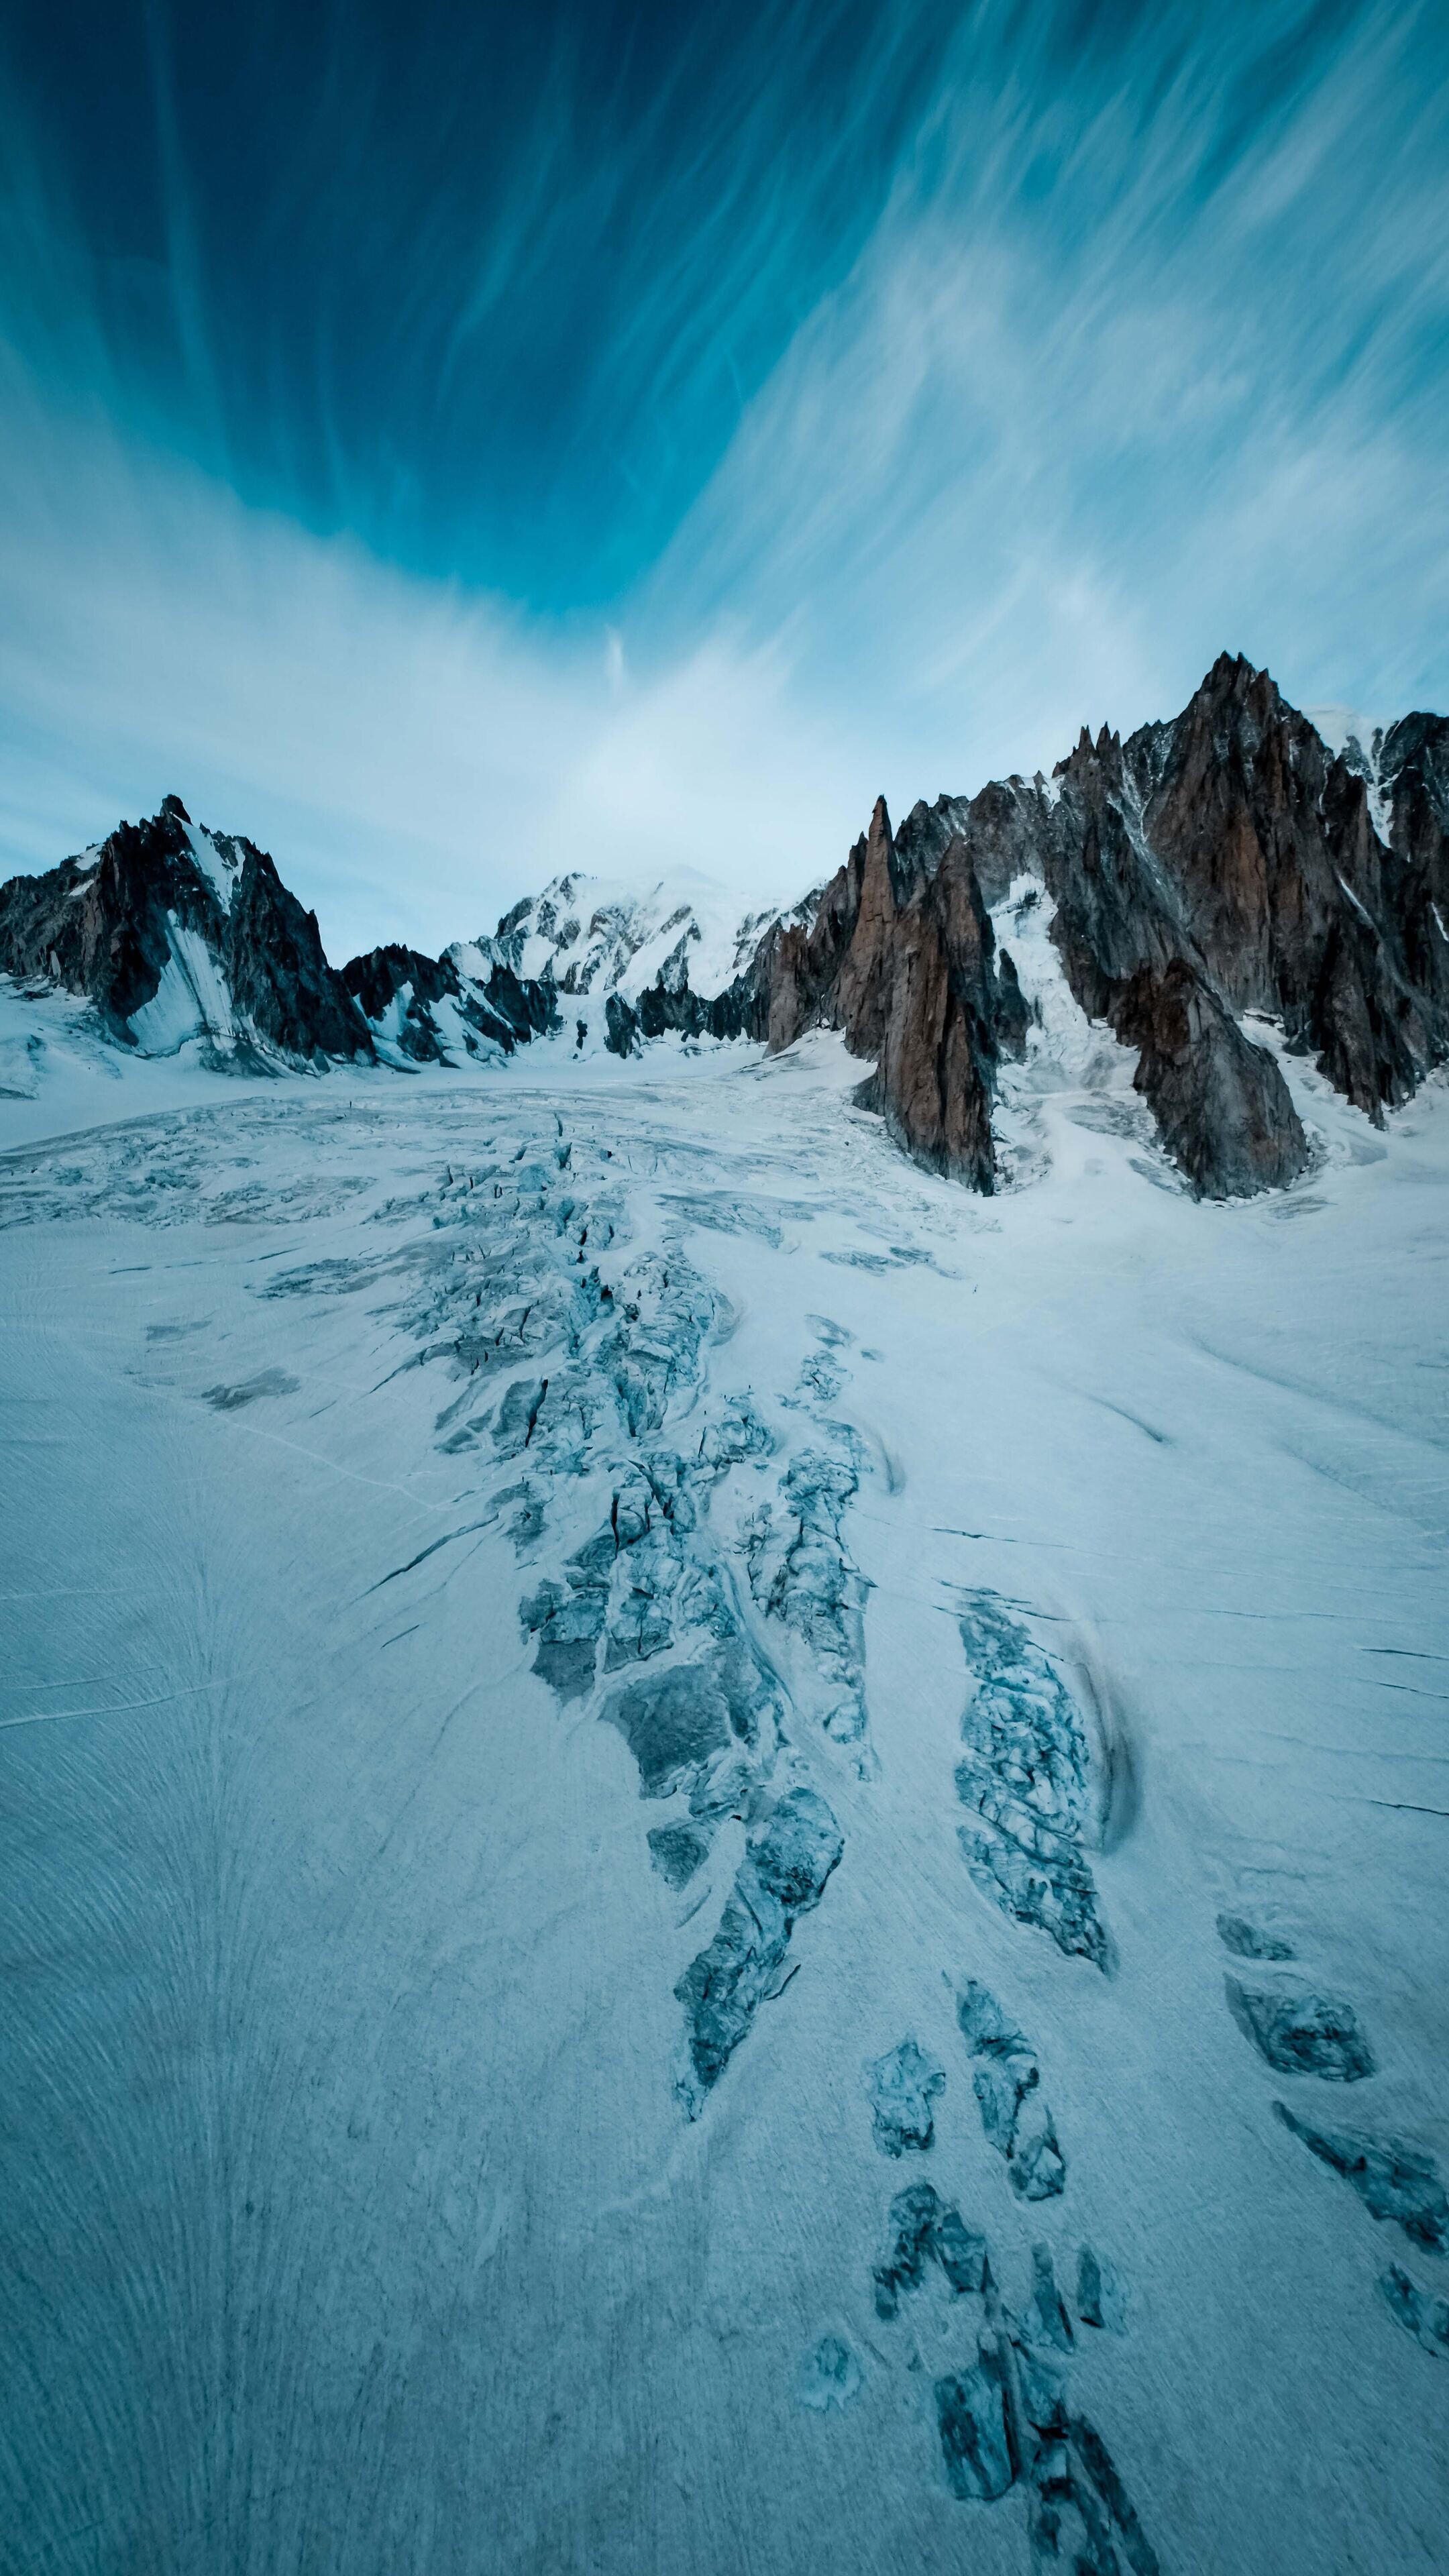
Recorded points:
(603,935)
(219,856)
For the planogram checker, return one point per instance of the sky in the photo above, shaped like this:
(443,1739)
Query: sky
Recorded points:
(452,443)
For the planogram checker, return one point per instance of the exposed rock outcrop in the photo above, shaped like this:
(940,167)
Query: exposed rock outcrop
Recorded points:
(1222,1107)
(1222,863)
(281,984)
(177,933)
(1295,903)
(1413,779)
(403,976)
(436,1011)
(676,1007)
(900,956)
(1131,957)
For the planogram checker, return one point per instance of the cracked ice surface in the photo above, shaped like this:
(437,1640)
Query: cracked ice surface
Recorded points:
(522,1594)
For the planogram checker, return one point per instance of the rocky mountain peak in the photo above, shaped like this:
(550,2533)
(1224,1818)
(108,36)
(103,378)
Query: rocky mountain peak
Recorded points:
(1223,862)
(902,961)
(176,935)
(1224,866)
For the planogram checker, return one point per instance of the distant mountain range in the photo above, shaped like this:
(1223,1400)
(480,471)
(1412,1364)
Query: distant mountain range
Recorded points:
(1223,866)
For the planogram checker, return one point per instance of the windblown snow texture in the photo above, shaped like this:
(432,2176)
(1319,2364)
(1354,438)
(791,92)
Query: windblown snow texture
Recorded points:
(716,1858)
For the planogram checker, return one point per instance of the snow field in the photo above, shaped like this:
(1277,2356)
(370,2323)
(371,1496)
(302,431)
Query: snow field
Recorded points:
(366,2206)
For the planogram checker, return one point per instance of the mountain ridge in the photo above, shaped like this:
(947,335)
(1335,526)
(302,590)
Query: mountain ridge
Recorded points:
(1216,866)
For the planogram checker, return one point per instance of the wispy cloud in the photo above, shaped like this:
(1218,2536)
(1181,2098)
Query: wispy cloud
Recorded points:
(415,756)
(1113,384)
(642,443)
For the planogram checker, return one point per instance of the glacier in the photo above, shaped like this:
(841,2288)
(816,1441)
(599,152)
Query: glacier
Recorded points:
(717,1861)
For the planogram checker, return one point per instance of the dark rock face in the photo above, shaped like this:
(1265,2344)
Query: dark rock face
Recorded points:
(1413,760)
(1228,862)
(505,1009)
(660,1007)
(1221,863)
(1221,1104)
(900,956)
(106,925)
(97,924)
(113,923)
(280,980)
(1296,905)
(374,981)
(1130,957)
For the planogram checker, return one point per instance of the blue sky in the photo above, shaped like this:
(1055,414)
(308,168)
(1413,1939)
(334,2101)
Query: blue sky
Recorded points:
(452,443)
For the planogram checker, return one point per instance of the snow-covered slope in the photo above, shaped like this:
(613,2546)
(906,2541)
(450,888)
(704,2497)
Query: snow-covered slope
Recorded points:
(714,1860)
(59,1072)
(601,935)
(220,859)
